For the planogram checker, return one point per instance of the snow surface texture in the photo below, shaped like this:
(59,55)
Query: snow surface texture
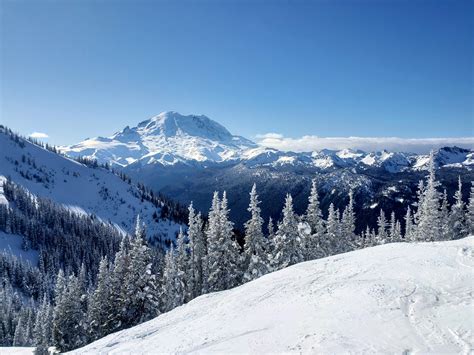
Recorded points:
(394,298)
(78,187)
(171,138)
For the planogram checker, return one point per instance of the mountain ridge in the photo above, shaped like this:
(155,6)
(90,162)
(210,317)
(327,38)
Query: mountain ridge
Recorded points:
(78,187)
(170,138)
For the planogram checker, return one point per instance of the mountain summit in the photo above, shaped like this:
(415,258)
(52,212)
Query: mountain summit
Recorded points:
(172,139)
(167,139)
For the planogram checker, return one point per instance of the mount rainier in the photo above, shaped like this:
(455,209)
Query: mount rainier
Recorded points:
(188,157)
(171,138)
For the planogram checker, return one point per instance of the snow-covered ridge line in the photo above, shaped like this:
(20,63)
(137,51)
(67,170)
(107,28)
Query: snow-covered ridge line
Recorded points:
(172,139)
(392,298)
(79,187)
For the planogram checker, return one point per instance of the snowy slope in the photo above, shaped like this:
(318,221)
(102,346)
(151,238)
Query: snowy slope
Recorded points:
(168,138)
(12,244)
(81,188)
(395,298)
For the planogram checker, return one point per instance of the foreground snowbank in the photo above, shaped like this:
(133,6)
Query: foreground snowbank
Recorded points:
(391,298)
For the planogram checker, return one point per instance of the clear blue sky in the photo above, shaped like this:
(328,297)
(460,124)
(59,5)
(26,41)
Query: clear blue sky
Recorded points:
(75,69)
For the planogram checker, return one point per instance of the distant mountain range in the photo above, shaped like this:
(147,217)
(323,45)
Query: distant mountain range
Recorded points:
(188,157)
(172,139)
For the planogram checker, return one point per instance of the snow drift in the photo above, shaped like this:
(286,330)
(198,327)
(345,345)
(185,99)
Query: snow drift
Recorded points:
(392,298)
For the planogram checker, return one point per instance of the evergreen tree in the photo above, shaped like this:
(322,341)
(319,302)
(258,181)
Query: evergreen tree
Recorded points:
(183,279)
(99,312)
(408,225)
(140,293)
(428,221)
(270,241)
(19,338)
(256,263)
(348,226)
(395,229)
(68,319)
(197,248)
(288,245)
(270,229)
(223,253)
(118,298)
(314,218)
(470,211)
(457,217)
(444,218)
(171,292)
(332,243)
(382,228)
(42,327)
(233,261)
(214,251)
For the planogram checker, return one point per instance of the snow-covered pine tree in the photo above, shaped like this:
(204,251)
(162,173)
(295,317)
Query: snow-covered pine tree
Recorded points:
(395,229)
(183,277)
(233,270)
(470,211)
(365,241)
(77,296)
(197,247)
(140,291)
(314,218)
(256,262)
(457,217)
(270,228)
(170,293)
(382,228)
(270,240)
(99,311)
(428,221)
(347,239)
(42,327)
(444,219)
(331,243)
(408,225)
(117,300)
(223,254)
(214,247)
(68,331)
(59,312)
(288,245)
(19,339)
(419,198)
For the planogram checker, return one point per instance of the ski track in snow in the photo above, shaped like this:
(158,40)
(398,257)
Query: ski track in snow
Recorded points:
(394,298)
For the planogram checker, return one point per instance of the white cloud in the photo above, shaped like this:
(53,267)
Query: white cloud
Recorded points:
(312,143)
(269,136)
(38,135)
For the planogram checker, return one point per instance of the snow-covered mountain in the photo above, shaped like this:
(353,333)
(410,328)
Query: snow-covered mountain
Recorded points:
(188,157)
(394,298)
(166,139)
(171,138)
(81,188)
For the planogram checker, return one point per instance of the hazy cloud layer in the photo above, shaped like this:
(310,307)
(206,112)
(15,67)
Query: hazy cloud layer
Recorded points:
(38,135)
(311,143)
